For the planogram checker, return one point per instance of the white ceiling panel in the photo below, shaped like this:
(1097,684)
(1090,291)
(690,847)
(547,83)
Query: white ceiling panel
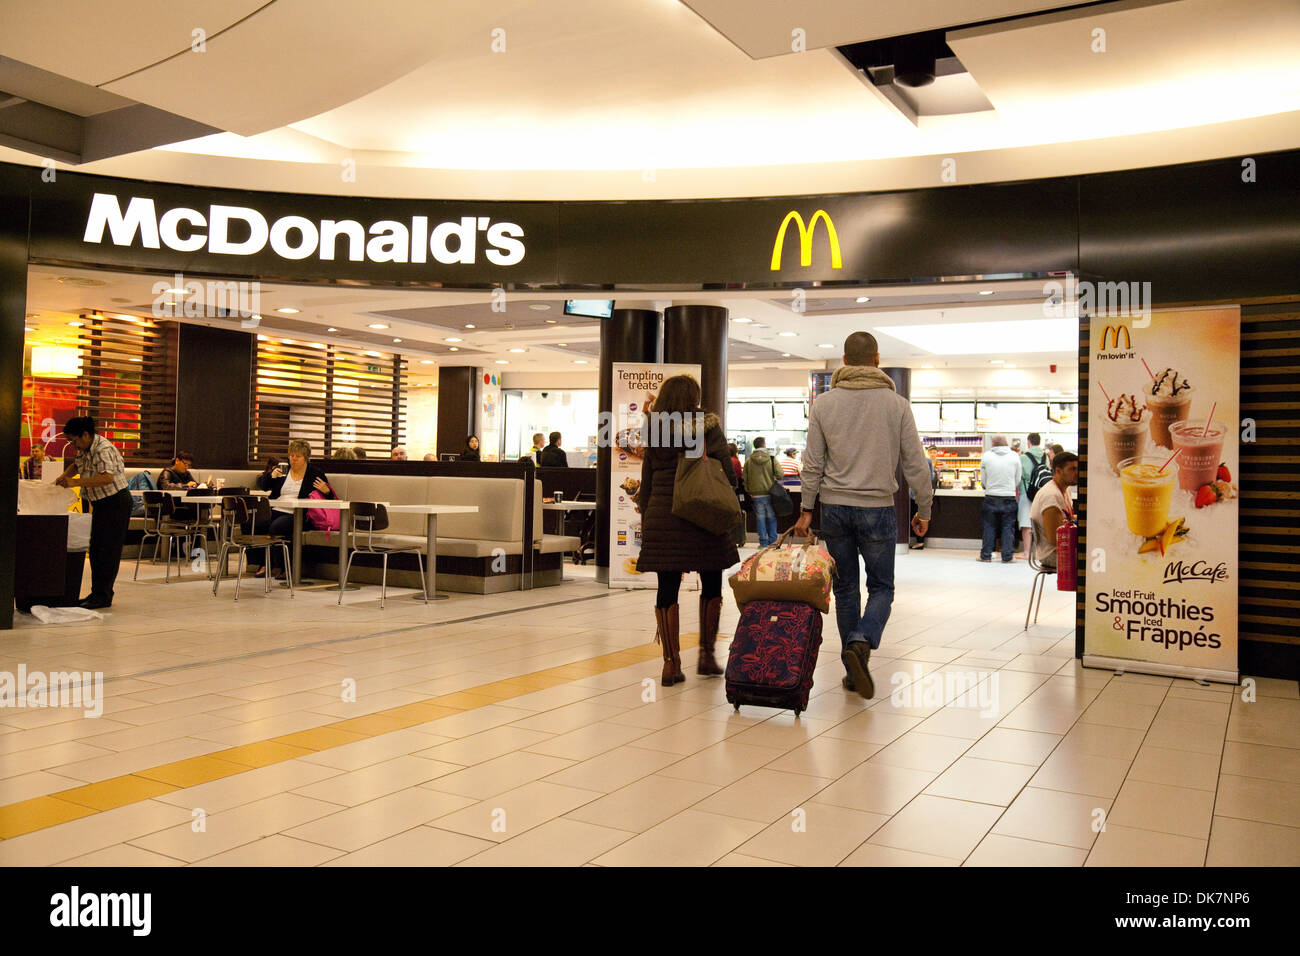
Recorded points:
(1164,65)
(296,58)
(97,41)
(764,28)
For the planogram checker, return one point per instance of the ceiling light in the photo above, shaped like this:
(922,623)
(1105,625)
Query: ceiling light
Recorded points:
(76,325)
(396,340)
(518,351)
(287,311)
(372,325)
(986,292)
(502,362)
(453,349)
(825,345)
(785,355)
(331,330)
(742,319)
(469,325)
(453,339)
(52,361)
(372,354)
(427,362)
(864,298)
(315,345)
(787,335)
(540,307)
(927,366)
(579,361)
(551,321)
(744,357)
(985,338)
(563,345)
(997,361)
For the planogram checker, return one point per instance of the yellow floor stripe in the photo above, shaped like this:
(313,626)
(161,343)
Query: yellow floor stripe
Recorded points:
(38,813)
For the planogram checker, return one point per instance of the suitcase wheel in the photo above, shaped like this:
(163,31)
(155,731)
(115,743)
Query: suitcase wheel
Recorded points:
(737,709)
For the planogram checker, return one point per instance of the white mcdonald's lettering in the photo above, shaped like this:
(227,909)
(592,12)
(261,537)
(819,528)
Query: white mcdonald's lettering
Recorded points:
(297,237)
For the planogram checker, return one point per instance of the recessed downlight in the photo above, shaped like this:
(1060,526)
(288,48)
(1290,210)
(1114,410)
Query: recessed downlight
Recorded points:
(372,325)
(741,319)
(76,325)
(502,362)
(785,355)
(864,298)
(825,345)
(551,321)
(518,351)
(788,335)
(986,291)
(470,325)
(453,349)
(453,339)
(540,307)
(331,330)
(395,341)
(371,354)
(427,362)
(579,361)
(287,311)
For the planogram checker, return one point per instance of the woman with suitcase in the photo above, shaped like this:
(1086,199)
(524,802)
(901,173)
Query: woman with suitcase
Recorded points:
(671,545)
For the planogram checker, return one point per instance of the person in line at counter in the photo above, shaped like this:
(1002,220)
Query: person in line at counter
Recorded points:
(31,469)
(470,453)
(102,477)
(760,473)
(398,454)
(858,432)
(1052,452)
(539,445)
(671,545)
(790,464)
(1000,476)
(1029,460)
(1052,506)
(300,481)
(553,455)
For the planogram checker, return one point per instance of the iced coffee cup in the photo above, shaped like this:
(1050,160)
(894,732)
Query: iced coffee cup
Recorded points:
(1147,491)
(1170,400)
(1200,451)
(1124,430)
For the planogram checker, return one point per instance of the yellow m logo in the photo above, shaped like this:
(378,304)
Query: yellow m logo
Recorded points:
(1112,332)
(806,238)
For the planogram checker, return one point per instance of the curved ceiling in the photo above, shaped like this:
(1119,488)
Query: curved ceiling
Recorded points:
(651,98)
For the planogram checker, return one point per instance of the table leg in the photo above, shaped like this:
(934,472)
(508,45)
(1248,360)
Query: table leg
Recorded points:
(431,560)
(345,527)
(297,547)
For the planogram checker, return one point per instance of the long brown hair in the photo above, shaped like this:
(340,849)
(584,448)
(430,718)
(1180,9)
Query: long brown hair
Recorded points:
(681,394)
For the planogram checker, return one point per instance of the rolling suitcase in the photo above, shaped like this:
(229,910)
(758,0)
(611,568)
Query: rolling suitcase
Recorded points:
(773,655)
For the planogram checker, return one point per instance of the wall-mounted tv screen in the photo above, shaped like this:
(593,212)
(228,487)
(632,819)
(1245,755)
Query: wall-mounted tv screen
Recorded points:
(589,308)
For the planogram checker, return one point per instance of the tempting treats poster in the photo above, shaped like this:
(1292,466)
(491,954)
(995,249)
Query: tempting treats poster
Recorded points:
(1163,431)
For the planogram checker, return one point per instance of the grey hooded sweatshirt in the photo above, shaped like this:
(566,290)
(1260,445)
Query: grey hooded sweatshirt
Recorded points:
(857,434)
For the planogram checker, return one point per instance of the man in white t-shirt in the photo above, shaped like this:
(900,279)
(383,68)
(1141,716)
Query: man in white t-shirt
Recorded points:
(1052,506)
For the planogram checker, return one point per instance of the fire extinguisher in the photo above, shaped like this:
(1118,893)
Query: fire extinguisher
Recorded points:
(1067,549)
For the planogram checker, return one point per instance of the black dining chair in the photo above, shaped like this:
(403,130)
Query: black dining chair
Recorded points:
(371,518)
(235,515)
(160,523)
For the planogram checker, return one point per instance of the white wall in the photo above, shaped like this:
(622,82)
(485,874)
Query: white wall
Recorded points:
(421,422)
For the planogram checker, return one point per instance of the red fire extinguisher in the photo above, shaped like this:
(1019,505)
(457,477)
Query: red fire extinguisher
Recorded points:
(1067,549)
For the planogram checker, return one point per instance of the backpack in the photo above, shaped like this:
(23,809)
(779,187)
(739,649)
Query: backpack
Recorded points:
(141,482)
(1039,478)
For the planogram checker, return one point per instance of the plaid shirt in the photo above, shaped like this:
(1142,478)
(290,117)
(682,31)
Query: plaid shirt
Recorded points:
(102,458)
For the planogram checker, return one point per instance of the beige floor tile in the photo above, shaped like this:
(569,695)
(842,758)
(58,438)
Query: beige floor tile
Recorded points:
(1257,760)
(823,836)
(1053,816)
(825,756)
(1271,721)
(559,842)
(231,828)
(358,786)
(1264,801)
(377,820)
(692,735)
(1214,713)
(721,764)
(1195,736)
(1076,772)
(275,850)
(1119,713)
(643,804)
(613,770)
(876,788)
(124,854)
(784,731)
(509,814)
(587,742)
(366,753)
(1118,691)
(874,727)
(481,747)
(1176,768)
(690,838)
(475,721)
(1034,663)
(498,775)
(981,781)
(1014,746)
(1040,719)
(39,783)
(872,854)
(571,717)
(1165,809)
(256,784)
(919,751)
(739,859)
(765,795)
(938,826)
(1250,843)
(1276,687)
(1123,846)
(1102,740)
(998,850)
(418,846)
(123,762)
(87,834)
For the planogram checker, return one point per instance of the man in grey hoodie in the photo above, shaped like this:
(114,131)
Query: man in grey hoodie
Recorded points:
(857,433)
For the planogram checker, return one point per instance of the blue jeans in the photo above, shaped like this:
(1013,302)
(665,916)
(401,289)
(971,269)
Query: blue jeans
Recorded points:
(998,513)
(873,534)
(765,518)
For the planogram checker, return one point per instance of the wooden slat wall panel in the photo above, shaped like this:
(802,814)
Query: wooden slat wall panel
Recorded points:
(326,396)
(127,383)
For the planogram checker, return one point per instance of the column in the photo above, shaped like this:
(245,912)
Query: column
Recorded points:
(630,334)
(697,334)
(457,404)
(14,215)
(902,379)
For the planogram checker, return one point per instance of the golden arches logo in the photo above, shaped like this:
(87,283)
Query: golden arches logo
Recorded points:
(806,238)
(1112,332)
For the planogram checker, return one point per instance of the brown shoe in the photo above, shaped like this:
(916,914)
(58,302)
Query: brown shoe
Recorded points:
(667,633)
(710,611)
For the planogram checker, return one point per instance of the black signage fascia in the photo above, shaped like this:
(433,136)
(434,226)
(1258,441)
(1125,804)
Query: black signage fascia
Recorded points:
(60,211)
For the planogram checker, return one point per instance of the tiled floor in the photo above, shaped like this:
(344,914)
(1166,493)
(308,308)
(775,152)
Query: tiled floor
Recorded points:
(529,728)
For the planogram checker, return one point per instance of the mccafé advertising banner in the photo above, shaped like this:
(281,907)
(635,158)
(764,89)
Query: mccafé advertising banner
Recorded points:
(488,415)
(1163,432)
(634,384)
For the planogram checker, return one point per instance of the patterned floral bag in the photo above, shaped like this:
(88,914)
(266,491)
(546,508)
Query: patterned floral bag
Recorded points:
(783,572)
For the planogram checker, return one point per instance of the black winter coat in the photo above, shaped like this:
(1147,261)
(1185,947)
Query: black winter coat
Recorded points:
(669,543)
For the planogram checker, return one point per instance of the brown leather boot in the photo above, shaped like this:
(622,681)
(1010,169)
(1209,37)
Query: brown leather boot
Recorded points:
(710,611)
(668,623)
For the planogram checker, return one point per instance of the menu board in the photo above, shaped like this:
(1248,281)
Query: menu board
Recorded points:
(958,416)
(1162,494)
(633,384)
(927,416)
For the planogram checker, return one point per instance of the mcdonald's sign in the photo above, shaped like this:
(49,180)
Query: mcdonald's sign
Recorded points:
(1112,332)
(806,238)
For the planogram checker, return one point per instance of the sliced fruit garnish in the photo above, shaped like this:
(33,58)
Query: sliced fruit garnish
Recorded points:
(1149,545)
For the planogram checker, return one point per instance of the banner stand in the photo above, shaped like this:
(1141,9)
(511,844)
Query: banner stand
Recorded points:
(1122,665)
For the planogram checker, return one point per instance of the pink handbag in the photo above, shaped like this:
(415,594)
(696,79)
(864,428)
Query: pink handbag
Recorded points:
(321,519)
(783,572)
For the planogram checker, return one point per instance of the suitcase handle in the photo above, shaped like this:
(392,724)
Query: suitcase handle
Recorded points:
(812,540)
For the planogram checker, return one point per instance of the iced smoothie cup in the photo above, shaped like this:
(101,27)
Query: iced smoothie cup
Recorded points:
(1165,410)
(1148,492)
(1123,440)
(1199,454)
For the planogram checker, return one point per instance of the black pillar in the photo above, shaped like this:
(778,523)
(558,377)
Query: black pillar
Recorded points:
(902,379)
(14,216)
(212,367)
(697,334)
(457,401)
(628,335)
